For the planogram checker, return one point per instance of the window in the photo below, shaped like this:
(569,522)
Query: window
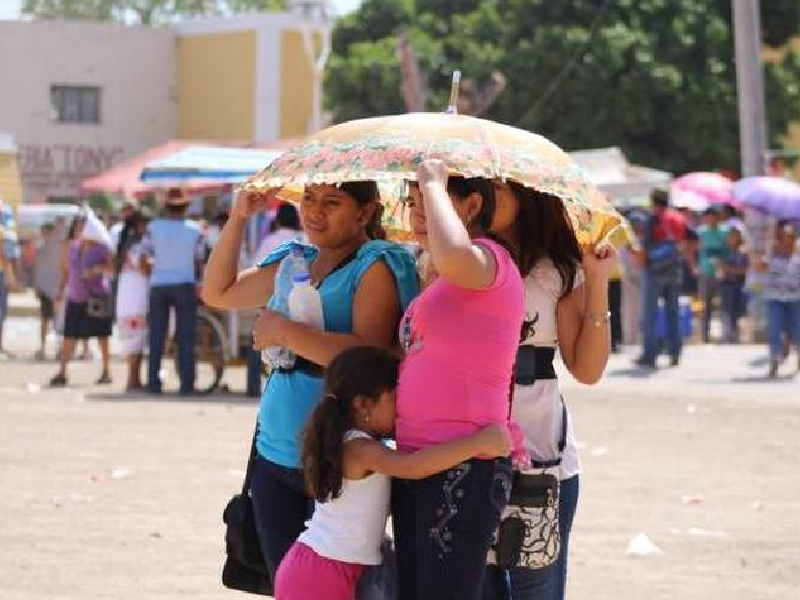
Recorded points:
(76,104)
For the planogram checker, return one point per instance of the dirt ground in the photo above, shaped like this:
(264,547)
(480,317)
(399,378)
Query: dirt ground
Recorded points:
(107,496)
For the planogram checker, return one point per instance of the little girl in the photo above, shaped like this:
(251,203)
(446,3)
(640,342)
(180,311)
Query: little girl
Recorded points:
(348,471)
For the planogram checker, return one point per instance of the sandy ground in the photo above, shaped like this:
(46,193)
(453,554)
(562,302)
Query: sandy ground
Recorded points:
(110,496)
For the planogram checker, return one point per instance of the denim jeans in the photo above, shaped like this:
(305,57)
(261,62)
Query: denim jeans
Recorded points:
(709,290)
(653,288)
(733,308)
(443,526)
(550,582)
(782,318)
(184,299)
(281,508)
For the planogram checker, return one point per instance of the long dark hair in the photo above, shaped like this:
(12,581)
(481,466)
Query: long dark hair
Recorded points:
(365,193)
(128,236)
(545,231)
(361,372)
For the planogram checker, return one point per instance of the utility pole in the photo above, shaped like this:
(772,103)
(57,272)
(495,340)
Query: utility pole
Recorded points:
(750,87)
(752,142)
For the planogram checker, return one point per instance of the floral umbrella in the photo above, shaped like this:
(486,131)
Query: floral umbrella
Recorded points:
(389,150)
(775,196)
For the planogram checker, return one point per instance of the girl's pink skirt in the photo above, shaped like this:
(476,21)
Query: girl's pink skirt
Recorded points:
(305,575)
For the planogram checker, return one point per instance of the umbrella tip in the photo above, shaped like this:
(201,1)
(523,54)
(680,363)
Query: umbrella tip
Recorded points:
(452,107)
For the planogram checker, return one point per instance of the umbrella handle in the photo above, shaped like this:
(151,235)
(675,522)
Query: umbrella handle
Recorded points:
(452,107)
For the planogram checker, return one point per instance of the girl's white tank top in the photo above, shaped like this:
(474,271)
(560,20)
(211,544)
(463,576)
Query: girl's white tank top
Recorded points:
(351,527)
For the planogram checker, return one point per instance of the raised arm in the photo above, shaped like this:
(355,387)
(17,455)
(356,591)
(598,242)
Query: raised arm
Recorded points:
(451,250)
(366,456)
(223,285)
(583,325)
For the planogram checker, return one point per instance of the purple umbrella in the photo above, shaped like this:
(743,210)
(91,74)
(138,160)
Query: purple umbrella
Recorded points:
(778,197)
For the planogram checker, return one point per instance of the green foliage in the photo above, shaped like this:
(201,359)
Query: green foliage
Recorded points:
(656,77)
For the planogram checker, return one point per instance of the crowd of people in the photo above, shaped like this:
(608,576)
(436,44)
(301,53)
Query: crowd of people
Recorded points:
(93,277)
(704,257)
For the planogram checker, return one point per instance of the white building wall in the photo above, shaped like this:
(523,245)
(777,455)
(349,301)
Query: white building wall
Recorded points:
(135,67)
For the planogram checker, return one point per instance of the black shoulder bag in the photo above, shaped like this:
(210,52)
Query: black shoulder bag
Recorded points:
(245,569)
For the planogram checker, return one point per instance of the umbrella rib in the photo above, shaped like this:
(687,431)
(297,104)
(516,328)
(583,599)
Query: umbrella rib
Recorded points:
(492,148)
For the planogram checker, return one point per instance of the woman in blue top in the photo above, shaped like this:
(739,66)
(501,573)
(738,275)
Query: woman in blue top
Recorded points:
(365,285)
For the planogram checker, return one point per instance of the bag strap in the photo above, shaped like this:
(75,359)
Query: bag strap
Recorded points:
(562,442)
(251,461)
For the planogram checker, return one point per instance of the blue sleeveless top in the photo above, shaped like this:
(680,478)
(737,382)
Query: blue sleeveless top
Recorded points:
(290,397)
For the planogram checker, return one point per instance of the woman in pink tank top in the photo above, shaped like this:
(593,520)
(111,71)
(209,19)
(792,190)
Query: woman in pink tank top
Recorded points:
(460,337)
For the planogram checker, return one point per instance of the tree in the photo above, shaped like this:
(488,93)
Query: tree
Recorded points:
(142,12)
(656,78)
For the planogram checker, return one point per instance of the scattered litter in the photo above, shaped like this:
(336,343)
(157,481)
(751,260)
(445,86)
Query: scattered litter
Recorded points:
(33,388)
(599,451)
(699,532)
(121,473)
(155,535)
(691,408)
(758,505)
(641,545)
(692,500)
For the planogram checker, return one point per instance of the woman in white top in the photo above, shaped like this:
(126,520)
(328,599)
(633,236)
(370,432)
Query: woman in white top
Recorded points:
(566,302)
(133,290)
(348,472)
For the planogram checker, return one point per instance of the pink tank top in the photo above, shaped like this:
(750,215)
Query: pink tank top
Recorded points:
(460,350)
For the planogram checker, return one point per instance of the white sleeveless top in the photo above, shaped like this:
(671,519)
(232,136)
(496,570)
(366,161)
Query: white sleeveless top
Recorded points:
(537,408)
(351,527)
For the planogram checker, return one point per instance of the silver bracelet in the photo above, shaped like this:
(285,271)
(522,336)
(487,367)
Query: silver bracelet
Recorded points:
(598,320)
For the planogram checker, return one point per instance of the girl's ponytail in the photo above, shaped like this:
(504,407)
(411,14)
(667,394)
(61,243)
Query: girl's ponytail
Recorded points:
(360,372)
(323,448)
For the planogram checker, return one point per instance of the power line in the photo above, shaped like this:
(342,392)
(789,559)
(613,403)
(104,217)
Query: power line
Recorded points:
(570,64)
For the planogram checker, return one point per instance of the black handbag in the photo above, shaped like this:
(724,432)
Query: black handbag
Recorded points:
(245,569)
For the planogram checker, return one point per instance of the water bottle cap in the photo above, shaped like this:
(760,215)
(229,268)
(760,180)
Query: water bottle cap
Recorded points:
(302,277)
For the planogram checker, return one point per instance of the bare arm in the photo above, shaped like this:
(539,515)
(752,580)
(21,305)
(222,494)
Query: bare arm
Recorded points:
(583,327)
(223,285)
(376,312)
(452,252)
(367,456)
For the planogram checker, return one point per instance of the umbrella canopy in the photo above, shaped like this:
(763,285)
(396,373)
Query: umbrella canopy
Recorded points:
(711,187)
(390,149)
(775,196)
(212,163)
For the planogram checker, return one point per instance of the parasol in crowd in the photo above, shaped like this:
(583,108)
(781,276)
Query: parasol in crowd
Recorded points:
(775,196)
(389,149)
(694,189)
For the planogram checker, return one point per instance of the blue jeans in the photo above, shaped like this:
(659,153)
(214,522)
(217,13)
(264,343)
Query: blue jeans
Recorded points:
(550,582)
(281,508)
(733,308)
(654,288)
(443,526)
(782,318)
(184,299)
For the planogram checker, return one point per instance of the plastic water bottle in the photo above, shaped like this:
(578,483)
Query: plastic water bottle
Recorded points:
(293,264)
(305,303)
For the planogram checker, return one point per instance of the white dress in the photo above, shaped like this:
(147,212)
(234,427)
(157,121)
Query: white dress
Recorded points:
(132,303)
(537,408)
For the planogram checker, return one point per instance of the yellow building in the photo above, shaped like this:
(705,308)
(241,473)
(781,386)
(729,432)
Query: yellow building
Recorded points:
(248,78)
(10,182)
